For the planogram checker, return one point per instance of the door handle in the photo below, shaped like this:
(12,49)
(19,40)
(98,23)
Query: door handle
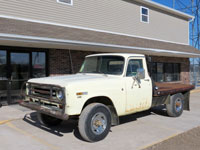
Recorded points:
(146,80)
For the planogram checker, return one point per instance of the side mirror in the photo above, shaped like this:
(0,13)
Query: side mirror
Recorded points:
(140,73)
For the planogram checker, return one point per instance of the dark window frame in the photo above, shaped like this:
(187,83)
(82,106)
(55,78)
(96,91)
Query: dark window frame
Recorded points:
(8,96)
(26,50)
(175,75)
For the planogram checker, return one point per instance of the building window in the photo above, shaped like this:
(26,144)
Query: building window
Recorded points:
(165,72)
(38,64)
(144,14)
(3,74)
(3,61)
(67,2)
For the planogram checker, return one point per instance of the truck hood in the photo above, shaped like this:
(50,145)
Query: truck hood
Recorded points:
(68,79)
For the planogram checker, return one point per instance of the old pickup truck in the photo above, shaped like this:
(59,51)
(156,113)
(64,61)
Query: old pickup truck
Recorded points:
(108,86)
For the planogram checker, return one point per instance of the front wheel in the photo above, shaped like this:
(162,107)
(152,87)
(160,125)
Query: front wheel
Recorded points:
(175,107)
(95,122)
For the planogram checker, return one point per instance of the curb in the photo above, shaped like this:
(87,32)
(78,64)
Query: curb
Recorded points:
(197,90)
(160,141)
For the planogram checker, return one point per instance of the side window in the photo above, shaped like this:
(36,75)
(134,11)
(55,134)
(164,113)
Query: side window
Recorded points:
(133,65)
(144,14)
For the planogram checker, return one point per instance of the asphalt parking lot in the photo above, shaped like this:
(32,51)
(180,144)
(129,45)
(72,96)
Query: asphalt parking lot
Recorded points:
(19,129)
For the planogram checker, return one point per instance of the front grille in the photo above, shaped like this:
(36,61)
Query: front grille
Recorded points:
(47,92)
(41,92)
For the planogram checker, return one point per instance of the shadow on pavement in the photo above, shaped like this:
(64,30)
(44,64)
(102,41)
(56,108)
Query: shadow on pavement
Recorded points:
(71,126)
(160,110)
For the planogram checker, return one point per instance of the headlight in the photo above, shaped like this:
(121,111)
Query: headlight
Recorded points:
(60,95)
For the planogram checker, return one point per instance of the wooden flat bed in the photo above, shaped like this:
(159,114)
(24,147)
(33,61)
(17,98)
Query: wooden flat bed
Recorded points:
(171,88)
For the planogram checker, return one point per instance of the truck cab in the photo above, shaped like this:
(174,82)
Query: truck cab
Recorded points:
(106,87)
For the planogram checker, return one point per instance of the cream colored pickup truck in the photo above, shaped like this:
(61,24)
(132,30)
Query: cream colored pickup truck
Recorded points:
(107,86)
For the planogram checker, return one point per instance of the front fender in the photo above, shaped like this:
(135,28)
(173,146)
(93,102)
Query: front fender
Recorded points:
(75,106)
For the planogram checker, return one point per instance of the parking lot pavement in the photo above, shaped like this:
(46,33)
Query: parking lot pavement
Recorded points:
(12,112)
(19,129)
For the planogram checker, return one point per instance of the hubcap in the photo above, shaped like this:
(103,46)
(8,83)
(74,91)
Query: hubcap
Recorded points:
(178,105)
(98,123)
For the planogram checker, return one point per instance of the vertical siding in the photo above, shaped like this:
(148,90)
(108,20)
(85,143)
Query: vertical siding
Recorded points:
(111,15)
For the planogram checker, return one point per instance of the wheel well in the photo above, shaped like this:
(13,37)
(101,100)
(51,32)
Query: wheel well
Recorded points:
(106,101)
(103,100)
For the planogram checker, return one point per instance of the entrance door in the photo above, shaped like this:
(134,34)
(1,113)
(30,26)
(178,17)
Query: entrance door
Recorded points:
(19,73)
(16,67)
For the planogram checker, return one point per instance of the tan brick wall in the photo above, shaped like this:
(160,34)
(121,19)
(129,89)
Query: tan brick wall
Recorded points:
(185,66)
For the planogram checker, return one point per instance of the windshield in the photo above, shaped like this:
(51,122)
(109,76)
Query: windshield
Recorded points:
(103,64)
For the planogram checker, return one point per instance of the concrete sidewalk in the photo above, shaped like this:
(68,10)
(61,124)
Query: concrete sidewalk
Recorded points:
(138,131)
(196,90)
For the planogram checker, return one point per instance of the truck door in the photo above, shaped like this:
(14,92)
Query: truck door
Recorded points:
(138,93)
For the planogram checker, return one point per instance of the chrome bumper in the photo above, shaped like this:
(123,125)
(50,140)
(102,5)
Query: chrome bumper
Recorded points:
(45,110)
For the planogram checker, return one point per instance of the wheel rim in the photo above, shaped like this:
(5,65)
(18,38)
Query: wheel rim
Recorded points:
(98,123)
(178,105)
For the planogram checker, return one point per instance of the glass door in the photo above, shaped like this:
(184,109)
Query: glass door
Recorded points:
(19,73)
(3,77)
(16,67)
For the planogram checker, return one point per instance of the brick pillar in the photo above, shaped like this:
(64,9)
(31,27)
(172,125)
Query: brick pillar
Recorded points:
(185,71)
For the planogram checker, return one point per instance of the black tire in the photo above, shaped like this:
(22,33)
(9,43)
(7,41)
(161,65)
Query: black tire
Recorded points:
(48,120)
(94,122)
(175,107)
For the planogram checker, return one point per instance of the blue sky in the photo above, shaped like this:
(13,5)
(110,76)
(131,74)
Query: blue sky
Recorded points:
(178,3)
(170,2)
(165,2)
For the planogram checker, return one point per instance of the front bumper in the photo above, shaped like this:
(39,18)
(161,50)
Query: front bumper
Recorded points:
(45,110)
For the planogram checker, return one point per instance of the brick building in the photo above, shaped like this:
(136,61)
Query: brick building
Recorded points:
(52,37)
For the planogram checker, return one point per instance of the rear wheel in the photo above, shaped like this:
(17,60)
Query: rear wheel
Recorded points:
(95,122)
(48,120)
(175,107)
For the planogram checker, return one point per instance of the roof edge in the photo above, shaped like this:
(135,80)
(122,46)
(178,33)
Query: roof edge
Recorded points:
(44,40)
(166,8)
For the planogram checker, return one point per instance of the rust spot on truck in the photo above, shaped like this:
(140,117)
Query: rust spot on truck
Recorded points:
(142,106)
